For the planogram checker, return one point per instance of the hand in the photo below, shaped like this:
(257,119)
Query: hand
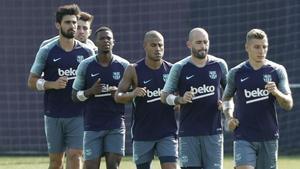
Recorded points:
(272,88)
(220,105)
(232,123)
(60,83)
(139,92)
(187,97)
(112,90)
(95,89)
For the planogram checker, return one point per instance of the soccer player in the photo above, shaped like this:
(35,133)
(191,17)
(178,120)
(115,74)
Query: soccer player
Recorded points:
(96,81)
(83,31)
(58,61)
(198,79)
(257,84)
(154,125)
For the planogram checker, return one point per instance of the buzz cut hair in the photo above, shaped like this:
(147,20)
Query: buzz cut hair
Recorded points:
(102,28)
(256,34)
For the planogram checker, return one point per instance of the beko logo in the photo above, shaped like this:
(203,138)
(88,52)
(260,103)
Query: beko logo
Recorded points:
(155,94)
(257,95)
(203,90)
(67,72)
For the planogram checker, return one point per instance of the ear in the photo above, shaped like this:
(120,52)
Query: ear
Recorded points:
(57,25)
(89,32)
(189,44)
(246,47)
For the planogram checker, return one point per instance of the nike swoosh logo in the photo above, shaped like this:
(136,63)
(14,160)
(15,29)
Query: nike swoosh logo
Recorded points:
(57,59)
(243,79)
(189,77)
(93,75)
(146,81)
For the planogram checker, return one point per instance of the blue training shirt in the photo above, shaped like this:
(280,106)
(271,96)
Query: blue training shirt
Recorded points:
(254,106)
(152,120)
(101,112)
(56,62)
(201,117)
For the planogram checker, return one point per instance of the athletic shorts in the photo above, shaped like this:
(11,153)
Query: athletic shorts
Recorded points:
(260,155)
(165,148)
(201,151)
(96,143)
(63,133)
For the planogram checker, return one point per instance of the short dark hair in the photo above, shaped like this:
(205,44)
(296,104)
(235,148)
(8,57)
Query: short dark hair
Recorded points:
(86,17)
(102,28)
(71,9)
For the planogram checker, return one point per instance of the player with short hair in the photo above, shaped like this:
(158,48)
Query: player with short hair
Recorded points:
(83,31)
(96,81)
(154,125)
(198,79)
(256,84)
(58,61)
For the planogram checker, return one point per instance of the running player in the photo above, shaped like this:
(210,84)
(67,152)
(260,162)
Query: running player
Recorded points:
(257,84)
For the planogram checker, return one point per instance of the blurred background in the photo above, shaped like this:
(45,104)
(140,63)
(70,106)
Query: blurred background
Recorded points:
(25,24)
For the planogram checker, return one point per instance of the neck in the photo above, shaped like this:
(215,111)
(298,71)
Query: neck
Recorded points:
(104,59)
(256,65)
(153,64)
(66,44)
(199,62)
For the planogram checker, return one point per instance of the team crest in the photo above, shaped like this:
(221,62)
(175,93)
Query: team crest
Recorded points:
(80,58)
(165,76)
(267,78)
(116,75)
(213,74)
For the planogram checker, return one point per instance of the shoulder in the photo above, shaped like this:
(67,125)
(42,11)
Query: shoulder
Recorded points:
(120,60)
(274,65)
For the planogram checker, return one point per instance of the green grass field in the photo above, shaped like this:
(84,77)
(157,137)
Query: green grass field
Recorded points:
(285,162)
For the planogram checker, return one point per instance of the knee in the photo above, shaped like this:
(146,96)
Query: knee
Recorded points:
(56,163)
(73,154)
(113,161)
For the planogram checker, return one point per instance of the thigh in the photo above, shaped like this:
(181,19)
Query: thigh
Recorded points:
(189,152)
(114,142)
(212,151)
(143,151)
(73,132)
(54,135)
(167,149)
(267,155)
(92,145)
(244,153)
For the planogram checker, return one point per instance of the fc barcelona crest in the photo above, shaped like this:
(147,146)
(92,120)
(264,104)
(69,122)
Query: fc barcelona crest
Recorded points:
(212,74)
(116,75)
(80,58)
(267,78)
(165,76)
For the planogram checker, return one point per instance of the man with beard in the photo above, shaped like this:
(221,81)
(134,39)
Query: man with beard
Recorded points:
(83,31)
(198,79)
(58,62)
(95,84)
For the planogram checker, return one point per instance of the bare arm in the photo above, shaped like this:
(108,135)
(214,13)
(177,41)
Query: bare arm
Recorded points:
(60,83)
(123,95)
(94,90)
(285,101)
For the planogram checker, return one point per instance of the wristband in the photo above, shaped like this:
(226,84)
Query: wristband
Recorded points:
(171,99)
(80,96)
(40,84)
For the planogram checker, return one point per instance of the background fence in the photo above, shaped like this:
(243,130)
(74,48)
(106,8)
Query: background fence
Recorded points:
(25,24)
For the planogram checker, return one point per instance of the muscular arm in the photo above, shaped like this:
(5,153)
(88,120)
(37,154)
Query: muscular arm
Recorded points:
(129,79)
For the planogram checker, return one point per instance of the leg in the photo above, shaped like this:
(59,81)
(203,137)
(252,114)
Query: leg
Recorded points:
(212,151)
(73,132)
(267,155)
(190,152)
(145,165)
(92,164)
(167,151)
(244,154)
(74,157)
(56,160)
(113,160)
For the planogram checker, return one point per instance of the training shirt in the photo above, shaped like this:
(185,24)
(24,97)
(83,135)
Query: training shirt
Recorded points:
(101,112)
(254,106)
(201,117)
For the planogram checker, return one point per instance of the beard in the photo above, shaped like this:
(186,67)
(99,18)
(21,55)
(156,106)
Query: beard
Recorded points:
(69,34)
(200,54)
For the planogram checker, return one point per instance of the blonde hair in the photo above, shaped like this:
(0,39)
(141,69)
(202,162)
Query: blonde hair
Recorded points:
(256,34)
